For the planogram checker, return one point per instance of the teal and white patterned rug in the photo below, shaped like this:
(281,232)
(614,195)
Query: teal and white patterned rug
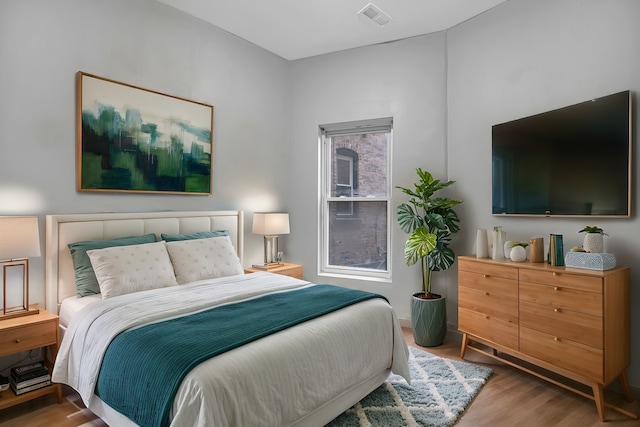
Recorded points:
(440,391)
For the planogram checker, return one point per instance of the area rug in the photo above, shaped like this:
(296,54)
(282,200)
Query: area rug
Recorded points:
(440,391)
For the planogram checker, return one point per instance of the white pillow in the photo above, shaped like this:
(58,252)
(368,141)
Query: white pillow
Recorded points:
(126,269)
(200,259)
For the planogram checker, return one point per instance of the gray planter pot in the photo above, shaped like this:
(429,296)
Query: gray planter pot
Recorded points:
(428,321)
(593,242)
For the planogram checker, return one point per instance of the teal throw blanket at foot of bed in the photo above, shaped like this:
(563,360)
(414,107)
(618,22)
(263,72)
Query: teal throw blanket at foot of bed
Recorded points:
(143,367)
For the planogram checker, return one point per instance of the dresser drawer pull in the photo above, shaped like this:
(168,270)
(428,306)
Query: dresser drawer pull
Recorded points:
(555,273)
(555,288)
(486,293)
(486,276)
(556,339)
(17,341)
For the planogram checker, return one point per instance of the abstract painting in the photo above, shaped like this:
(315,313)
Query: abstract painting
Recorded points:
(138,140)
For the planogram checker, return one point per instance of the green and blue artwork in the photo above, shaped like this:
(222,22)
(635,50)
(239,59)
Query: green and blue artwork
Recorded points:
(133,139)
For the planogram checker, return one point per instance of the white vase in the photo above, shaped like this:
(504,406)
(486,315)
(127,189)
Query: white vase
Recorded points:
(482,244)
(498,243)
(518,254)
(507,249)
(593,243)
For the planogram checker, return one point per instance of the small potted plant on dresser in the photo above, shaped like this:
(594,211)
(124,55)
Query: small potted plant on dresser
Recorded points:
(430,221)
(593,239)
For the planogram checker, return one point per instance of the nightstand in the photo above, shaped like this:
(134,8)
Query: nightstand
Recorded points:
(25,333)
(284,268)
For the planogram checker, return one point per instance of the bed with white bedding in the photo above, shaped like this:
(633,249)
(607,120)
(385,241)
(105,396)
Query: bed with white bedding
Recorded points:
(304,375)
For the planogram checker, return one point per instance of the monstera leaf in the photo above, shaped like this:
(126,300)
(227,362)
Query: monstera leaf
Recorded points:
(418,246)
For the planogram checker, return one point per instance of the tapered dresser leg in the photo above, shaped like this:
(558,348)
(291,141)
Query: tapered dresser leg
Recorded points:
(624,382)
(599,399)
(463,347)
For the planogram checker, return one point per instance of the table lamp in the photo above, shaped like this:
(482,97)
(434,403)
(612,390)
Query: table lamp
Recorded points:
(270,225)
(19,241)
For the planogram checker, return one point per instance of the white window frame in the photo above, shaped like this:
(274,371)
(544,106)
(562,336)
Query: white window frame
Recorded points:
(325,133)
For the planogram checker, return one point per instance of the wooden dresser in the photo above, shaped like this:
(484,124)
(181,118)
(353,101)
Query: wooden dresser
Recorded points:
(572,322)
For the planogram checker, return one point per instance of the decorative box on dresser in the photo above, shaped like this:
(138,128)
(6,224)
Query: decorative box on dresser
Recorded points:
(284,268)
(25,333)
(573,322)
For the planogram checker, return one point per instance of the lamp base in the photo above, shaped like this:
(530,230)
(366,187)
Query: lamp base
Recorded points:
(19,312)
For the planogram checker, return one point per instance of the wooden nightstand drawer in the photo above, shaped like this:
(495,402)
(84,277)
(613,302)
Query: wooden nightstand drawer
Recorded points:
(27,337)
(293,272)
(24,333)
(285,269)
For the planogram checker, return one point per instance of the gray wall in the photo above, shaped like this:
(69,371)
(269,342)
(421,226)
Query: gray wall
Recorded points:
(405,79)
(444,90)
(145,43)
(523,58)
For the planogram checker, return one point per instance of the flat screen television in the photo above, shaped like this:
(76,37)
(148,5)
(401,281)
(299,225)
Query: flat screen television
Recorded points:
(573,161)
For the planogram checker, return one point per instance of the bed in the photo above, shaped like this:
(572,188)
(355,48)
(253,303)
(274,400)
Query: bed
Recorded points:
(304,374)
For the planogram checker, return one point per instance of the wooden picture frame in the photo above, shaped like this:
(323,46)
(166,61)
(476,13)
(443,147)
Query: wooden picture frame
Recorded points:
(131,139)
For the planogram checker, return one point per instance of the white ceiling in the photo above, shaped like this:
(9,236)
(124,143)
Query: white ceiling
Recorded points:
(295,29)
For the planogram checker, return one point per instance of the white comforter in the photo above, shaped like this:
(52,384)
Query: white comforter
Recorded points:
(273,381)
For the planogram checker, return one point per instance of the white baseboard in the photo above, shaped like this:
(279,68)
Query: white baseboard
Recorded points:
(452,330)
(405,323)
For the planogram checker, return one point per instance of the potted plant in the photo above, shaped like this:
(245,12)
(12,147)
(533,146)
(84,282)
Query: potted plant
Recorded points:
(430,221)
(593,239)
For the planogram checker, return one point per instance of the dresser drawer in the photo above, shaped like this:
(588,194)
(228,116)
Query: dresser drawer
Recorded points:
(560,278)
(488,268)
(562,297)
(489,303)
(490,328)
(489,283)
(27,337)
(575,357)
(563,323)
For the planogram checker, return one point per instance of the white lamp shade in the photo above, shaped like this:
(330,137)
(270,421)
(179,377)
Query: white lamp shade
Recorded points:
(269,224)
(19,237)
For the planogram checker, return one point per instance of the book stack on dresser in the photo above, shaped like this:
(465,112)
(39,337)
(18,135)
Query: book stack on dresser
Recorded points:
(29,377)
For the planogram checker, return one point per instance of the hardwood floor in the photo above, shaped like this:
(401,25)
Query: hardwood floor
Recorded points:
(510,398)
(514,398)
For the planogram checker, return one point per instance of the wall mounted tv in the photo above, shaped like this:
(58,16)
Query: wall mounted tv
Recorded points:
(574,161)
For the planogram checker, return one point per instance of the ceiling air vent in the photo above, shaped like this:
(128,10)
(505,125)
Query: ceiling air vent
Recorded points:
(375,14)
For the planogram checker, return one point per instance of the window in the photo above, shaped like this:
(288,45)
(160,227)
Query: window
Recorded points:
(355,198)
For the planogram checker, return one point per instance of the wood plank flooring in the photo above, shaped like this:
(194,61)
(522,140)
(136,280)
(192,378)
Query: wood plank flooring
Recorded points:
(510,398)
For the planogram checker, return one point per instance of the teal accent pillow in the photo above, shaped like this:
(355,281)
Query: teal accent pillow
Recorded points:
(193,236)
(86,281)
